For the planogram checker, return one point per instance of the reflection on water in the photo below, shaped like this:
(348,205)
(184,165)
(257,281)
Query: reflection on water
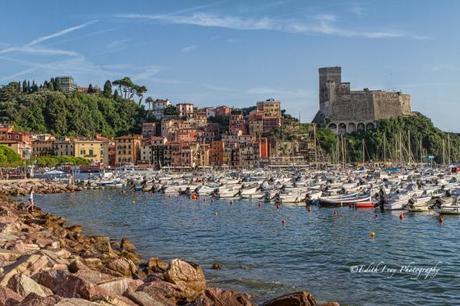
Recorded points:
(313,250)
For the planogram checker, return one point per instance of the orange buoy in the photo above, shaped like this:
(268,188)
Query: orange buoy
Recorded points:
(401,216)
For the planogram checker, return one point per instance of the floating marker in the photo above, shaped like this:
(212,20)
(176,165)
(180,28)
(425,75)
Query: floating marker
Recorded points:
(401,216)
(372,235)
(335,212)
(283,222)
(441,219)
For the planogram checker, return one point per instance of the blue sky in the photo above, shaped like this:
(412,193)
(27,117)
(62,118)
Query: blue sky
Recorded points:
(239,52)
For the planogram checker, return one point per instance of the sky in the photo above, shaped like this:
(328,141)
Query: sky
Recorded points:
(236,53)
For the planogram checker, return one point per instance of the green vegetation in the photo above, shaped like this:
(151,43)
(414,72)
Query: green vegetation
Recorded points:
(9,158)
(46,110)
(411,138)
(53,161)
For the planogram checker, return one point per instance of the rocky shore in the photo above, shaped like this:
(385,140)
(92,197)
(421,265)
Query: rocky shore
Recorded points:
(23,187)
(44,261)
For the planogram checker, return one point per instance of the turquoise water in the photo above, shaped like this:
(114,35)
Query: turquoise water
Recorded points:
(313,250)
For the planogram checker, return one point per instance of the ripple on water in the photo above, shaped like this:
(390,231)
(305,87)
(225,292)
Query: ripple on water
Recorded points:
(313,251)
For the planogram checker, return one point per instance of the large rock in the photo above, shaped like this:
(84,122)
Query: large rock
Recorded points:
(127,245)
(121,267)
(121,285)
(8,296)
(144,299)
(187,276)
(27,264)
(36,300)
(165,292)
(24,285)
(303,298)
(76,302)
(220,297)
(68,285)
(155,264)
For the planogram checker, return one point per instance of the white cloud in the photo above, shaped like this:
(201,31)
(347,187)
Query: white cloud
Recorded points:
(60,33)
(322,24)
(189,48)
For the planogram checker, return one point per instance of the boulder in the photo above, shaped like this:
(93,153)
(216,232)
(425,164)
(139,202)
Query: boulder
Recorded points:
(155,264)
(94,277)
(188,276)
(303,298)
(101,244)
(165,292)
(27,264)
(8,255)
(8,296)
(68,285)
(120,267)
(36,300)
(24,285)
(127,245)
(220,297)
(121,285)
(76,302)
(144,299)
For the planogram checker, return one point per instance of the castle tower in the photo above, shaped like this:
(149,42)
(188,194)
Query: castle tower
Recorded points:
(329,79)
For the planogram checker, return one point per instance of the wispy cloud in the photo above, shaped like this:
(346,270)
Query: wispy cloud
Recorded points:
(32,47)
(60,33)
(189,48)
(321,24)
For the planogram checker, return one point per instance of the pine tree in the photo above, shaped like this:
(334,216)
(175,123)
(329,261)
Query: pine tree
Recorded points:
(24,86)
(107,92)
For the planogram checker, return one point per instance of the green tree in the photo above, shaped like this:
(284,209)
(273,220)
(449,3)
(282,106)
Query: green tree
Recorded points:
(107,91)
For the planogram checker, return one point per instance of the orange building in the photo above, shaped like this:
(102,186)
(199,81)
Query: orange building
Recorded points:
(216,153)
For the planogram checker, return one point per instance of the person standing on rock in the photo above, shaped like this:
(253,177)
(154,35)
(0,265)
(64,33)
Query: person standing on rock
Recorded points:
(31,206)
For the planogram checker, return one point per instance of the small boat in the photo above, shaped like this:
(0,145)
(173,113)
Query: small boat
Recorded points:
(368,204)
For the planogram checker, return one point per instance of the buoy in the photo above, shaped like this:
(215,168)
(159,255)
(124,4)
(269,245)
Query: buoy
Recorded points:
(401,216)
(283,221)
(441,219)
(372,235)
(309,208)
(215,213)
(335,212)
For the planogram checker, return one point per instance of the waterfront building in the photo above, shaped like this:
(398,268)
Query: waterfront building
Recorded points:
(22,148)
(63,147)
(43,147)
(89,149)
(65,84)
(127,149)
(216,153)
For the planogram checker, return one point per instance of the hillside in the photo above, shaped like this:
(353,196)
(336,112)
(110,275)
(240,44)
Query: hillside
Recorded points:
(51,111)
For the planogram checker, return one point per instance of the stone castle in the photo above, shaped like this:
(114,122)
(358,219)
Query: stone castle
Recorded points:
(346,111)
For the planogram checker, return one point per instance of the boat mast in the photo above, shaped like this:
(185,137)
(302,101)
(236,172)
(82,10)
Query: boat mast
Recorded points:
(443,152)
(448,148)
(409,149)
(400,149)
(384,147)
(364,153)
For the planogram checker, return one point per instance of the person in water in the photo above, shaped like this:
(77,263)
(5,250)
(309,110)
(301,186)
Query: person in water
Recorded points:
(31,206)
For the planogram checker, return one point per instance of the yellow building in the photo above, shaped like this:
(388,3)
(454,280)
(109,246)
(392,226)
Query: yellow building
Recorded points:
(89,149)
(127,149)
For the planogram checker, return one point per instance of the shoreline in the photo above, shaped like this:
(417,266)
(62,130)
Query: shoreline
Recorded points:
(45,261)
